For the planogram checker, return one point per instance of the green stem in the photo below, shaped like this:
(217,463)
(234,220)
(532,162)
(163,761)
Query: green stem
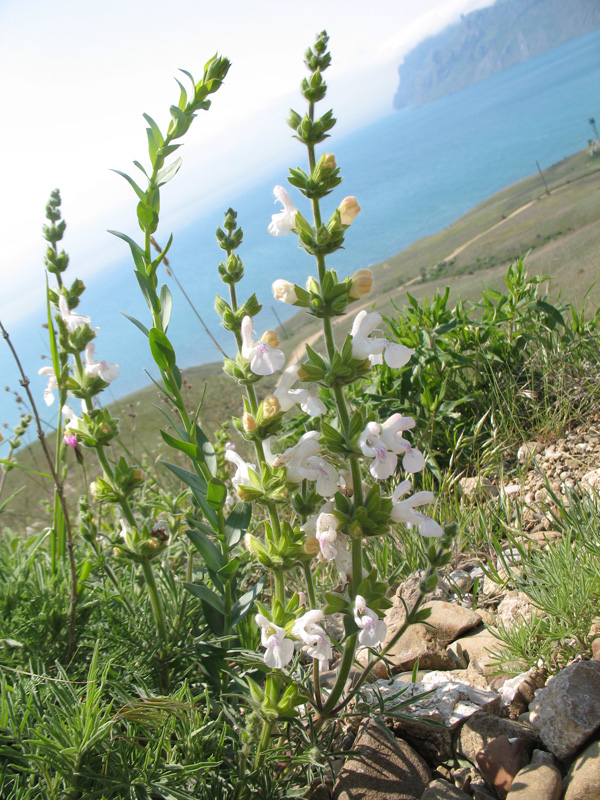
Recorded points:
(161,624)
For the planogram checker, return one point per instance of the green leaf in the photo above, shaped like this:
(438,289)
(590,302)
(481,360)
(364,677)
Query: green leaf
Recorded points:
(137,323)
(155,129)
(245,603)
(335,603)
(210,553)
(206,594)
(167,173)
(140,192)
(216,493)
(231,567)
(237,523)
(139,257)
(198,487)
(162,350)
(147,217)
(166,304)
(207,449)
(148,292)
(189,448)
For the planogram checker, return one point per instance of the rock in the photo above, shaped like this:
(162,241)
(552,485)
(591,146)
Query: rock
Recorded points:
(590,482)
(567,711)
(481,728)
(518,692)
(499,762)
(596,649)
(451,620)
(382,770)
(442,790)
(528,451)
(461,579)
(515,609)
(536,781)
(479,487)
(583,779)
(476,648)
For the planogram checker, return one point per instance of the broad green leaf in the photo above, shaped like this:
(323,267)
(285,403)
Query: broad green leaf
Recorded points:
(237,523)
(155,129)
(210,553)
(138,254)
(188,448)
(198,487)
(207,449)
(206,594)
(162,350)
(216,493)
(148,291)
(166,304)
(231,567)
(147,217)
(168,172)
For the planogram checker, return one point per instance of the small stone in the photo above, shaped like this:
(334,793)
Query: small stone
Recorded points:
(478,487)
(567,711)
(515,609)
(384,769)
(583,779)
(528,450)
(537,781)
(480,729)
(477,648)
(591,481)
(461,579)
(500,761)
(442,790)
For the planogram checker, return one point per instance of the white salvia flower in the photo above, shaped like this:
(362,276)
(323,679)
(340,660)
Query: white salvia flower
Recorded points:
(303,462)
(395,355)
(72,419)
(373,629)
(308,402)
(343,562)
(283,223)
(241,477)
(279,650)
(404,510)
(285,291)
(413,460)
(72,320)
(263,357)
(51,386)
(307,629)
(372,445)
(105,370)
(327,533)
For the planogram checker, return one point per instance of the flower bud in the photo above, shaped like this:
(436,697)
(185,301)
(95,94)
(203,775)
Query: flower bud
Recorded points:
(270,338)
(252,543)
(361,283)
(271,406)
(348,209)
(302,599)
(302,373)
(328,161)
(312,285)
(284,290)
(248,422)
(244,494)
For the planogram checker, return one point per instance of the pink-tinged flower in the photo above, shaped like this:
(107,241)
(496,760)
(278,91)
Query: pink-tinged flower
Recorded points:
(285,291)
(51,386)
(241,477)
(373,629)
(372,445)
(349,210)
(413,460)
(72,320)
(283,223)
(363,346)
(105,370)
(263,357)
(288,397)
(70,439)
(327,534)
(279,650)
(405,510)
(317,644)
(361,284)
(303,462)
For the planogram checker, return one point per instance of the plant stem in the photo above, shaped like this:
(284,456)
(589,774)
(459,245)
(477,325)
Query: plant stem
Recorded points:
(161,625)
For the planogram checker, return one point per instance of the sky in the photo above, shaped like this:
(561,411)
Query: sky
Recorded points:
(76,76)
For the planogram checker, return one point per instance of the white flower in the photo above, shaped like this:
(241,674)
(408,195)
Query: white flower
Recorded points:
(72,320)
(303,462)
(395,355)
(279,650)
(326,533)
(285,291)
(283,223)
(51,386)
(308,402)
(404,510)
(263,357)
(343,562)
(413,460)
(373,629)
(307,629)
(106,371)
(241,477)
(372,445)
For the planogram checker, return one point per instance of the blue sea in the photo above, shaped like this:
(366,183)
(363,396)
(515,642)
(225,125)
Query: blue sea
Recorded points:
(414,172)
